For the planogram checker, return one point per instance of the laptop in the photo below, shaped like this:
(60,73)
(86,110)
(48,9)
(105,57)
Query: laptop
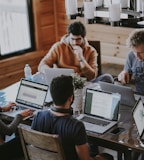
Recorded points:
(127,93)
(100,110)
(30,95)
(51,73)
(138,116)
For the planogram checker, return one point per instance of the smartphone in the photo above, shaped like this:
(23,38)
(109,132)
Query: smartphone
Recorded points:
(117,130)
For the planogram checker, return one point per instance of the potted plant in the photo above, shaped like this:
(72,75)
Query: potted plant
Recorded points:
(78,81)
(78,92)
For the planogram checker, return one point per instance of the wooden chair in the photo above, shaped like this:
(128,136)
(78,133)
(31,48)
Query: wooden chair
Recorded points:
(96,45)
(40,146)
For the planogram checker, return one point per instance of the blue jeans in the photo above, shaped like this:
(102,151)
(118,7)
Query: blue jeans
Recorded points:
(105,78)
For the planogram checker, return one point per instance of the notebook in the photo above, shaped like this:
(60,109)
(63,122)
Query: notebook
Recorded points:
(30,95)
(138,116)
(100,110)
(51,73)
(127,94)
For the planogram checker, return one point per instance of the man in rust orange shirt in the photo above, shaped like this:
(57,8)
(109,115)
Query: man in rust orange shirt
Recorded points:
(73,51)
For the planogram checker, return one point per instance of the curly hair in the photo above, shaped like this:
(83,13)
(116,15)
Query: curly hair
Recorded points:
(77,28)
(136,38)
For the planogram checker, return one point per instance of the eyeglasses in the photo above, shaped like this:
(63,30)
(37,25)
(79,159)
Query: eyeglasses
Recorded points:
(76,39)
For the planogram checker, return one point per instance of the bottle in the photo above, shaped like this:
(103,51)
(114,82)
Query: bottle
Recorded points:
(28,72)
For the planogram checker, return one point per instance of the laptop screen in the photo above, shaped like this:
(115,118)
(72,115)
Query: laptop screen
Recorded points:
(102,104)
(138,115)
(32,94)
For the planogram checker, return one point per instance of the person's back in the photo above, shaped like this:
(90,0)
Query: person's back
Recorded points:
(58,118)
(70,130)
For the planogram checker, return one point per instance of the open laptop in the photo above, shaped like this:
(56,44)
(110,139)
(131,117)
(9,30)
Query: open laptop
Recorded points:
(138,116)
(51,73)
(30,95)
(100,110)
(127,94)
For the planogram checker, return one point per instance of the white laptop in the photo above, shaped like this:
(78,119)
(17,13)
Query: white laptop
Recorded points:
(51,73)
(30,95)
(138,116)
(100,110)
(127,93)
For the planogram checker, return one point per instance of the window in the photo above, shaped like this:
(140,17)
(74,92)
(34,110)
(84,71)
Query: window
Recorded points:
(16,29)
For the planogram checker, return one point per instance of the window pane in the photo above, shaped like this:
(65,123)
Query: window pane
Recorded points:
(15,27)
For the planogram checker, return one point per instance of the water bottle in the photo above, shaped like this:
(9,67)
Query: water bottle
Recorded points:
(28,72)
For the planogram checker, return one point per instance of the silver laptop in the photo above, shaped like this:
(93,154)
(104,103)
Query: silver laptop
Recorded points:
(51,73)
(127,94)
(138,116)
(30,95)
(100,110)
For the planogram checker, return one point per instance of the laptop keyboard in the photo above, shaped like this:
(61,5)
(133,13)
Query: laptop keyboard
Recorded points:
(137,96)
(95,121)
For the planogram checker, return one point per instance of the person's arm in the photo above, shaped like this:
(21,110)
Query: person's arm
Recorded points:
(88,68)
(8,129)
(49,59)
(83,152)
(7,107)
(124,77)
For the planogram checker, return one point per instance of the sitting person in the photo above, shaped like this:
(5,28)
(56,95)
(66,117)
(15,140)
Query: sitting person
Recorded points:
(74,51)
(58,120)
(134,66)
(14,145)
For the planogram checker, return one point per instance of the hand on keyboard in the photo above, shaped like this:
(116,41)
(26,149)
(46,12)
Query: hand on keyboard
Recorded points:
(26,113)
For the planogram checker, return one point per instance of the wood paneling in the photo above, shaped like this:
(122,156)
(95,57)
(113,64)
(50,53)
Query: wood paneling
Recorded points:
(11,69)
(50,24)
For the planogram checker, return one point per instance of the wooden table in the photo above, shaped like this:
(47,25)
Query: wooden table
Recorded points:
(122,142)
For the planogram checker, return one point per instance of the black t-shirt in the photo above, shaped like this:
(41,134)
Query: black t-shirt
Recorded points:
(71,131)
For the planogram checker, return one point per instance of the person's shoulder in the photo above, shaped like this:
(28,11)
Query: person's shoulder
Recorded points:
(76,122)
(42,113)
(131,55)
(63,42)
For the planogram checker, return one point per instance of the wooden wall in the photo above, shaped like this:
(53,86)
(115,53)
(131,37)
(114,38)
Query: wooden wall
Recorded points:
(50,23)
(11,69)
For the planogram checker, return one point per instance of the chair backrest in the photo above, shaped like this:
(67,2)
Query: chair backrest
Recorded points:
(96,45)
(40,146)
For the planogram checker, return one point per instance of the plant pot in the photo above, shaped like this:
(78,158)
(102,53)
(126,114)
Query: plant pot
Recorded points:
(78,100)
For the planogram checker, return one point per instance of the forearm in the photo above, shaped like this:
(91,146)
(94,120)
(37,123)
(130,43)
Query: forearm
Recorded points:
(8,129)
(87,70)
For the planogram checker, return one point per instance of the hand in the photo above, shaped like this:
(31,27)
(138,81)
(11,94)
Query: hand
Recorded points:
(8,107)
(124,77)
(26,113)
(78,52)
